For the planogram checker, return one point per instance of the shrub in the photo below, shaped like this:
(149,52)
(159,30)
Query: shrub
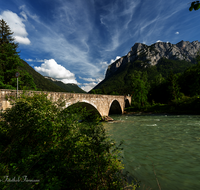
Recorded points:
(44,142)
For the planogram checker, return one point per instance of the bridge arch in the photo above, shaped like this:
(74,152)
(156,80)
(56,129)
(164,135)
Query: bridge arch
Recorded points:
(84,104)
(127,103)
(115,108)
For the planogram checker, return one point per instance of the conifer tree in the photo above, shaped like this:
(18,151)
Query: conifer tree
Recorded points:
(6,35)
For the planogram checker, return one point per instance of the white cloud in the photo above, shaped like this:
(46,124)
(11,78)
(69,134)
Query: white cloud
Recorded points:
(88,79)
(52,69)
(22,40)
(37,60)
(88,86)
(26,12)
(91,79)
(105,64)
(177,33)
(113,60)
(117,17)
(24,15)
(17,26)
(30,60)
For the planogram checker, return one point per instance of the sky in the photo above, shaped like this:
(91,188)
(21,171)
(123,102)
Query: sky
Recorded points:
(74,41)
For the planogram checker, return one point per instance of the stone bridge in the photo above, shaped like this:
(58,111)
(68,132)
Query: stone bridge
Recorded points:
(104,105)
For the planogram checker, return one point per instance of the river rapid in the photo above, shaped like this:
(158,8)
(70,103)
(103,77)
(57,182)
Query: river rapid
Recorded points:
(162,146)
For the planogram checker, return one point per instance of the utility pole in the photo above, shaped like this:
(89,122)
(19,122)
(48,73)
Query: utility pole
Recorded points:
(17,75)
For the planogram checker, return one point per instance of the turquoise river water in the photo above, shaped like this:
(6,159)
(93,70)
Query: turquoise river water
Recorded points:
(168,143)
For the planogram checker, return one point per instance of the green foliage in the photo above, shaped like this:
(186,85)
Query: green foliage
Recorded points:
(6,35)
(27,81)
(184,105)
(41,140)
(173,87)
(114,93)
(9,61)
(190,81)
(139,87)
(194,5)
(4,86)
(97,91)
(165,66)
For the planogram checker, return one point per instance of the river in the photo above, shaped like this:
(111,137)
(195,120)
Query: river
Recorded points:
(168,143)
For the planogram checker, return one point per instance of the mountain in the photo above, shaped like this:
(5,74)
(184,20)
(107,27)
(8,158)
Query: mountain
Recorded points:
(184,50)
(70,87)
(157,61)
(42,83)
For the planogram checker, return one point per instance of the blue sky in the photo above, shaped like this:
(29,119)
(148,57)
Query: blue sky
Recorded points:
(75,40)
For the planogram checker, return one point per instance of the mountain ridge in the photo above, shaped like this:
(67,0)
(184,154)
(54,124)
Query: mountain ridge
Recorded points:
(70,87)
(183,50)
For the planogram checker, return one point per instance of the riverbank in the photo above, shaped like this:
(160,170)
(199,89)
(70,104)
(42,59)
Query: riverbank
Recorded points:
(187,105)
(174,109)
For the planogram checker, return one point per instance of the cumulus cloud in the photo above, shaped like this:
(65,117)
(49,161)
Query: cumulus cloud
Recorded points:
(177,33)
(17,26)
(52,69)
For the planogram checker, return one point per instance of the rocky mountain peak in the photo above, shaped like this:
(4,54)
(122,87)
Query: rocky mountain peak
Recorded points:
(183,50)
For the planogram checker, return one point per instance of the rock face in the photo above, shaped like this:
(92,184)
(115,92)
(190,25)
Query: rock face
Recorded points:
(50,78)
(184,50)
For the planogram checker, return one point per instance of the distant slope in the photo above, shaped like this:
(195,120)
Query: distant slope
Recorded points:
(42,83)
(68,87)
